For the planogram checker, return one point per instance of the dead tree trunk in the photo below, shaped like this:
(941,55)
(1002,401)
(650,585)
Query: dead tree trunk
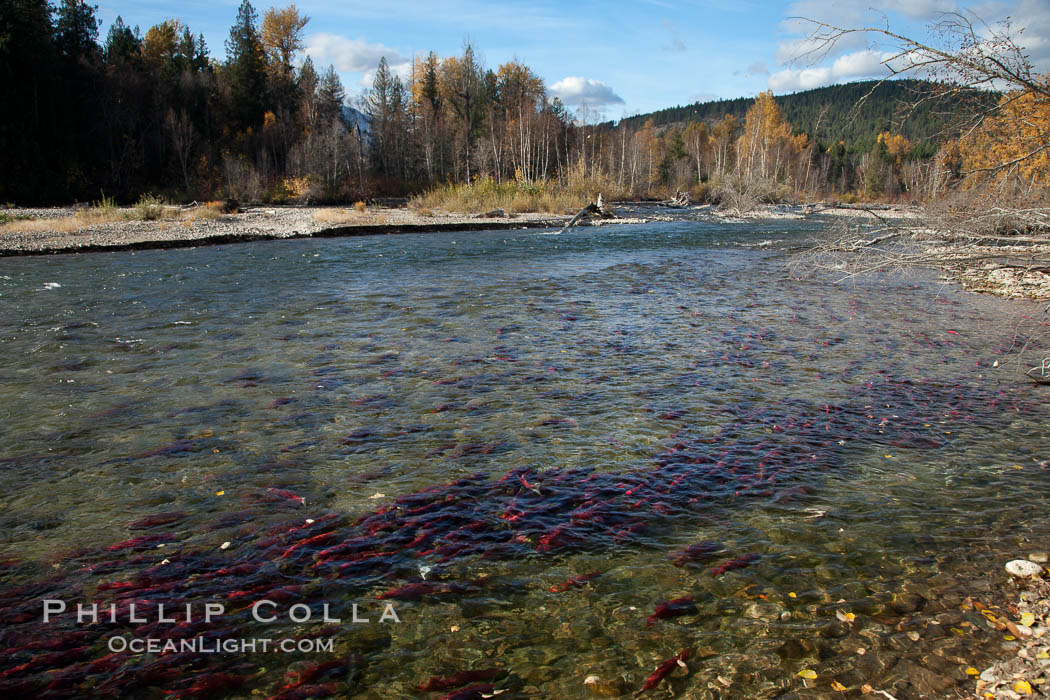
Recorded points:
(597,208)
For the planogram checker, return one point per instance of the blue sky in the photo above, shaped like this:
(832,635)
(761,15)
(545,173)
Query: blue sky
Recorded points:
(616,57)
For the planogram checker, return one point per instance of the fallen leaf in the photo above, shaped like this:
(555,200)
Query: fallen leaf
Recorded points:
(1027,619)
(792,594)
(835,685)
(972,671)
(808,674)
(220,493)
(1023,687)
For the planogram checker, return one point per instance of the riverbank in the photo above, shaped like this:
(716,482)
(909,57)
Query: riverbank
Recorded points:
(991,269)
(55,230)
(41,231)
(1022,617)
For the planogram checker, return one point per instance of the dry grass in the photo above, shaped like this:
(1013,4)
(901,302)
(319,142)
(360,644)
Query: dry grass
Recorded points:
(208,212)
(516,197)
(106,212)
(337,216)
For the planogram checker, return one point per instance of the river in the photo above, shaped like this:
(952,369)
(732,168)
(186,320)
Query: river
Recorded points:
(524,444)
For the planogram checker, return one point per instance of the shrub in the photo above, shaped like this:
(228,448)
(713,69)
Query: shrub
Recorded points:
(149,208)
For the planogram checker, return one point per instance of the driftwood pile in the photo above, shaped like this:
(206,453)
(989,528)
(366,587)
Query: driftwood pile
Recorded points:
(680,200)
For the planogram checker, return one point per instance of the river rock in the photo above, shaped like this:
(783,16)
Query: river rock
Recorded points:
(605,688)
(1023,569)
(1038,557)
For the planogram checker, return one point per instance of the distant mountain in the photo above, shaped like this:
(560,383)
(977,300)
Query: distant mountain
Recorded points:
(839,122)
(355,117)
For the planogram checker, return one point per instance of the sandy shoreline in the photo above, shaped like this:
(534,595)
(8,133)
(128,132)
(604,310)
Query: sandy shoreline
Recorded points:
(252,224)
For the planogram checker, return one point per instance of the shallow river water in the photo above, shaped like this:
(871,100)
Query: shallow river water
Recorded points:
(524,444)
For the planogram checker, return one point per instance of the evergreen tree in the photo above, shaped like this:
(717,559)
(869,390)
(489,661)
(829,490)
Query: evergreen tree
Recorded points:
(246,68)
(330,96)
(122,44)
(430,81)
(76,31)
(878,167)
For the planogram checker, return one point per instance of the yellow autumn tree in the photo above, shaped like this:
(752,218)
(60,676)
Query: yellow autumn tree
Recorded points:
(282,38)
(897,146)
(161,43)
(1013,144)
(762,147)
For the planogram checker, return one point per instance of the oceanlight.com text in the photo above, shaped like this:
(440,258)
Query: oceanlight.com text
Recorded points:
(202,645)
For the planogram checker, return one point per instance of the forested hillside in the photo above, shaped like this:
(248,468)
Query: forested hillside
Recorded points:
(837,113)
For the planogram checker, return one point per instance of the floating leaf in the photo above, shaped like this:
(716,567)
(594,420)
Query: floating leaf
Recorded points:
(808,674)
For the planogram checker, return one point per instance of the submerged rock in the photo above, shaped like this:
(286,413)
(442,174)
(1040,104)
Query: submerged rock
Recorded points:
(605,688)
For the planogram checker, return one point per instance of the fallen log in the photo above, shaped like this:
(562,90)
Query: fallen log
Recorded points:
(598,208)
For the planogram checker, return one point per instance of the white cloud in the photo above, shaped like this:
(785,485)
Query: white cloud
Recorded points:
(924,10)
(349,55)
(859,64)
(811,64)
(576,91)
(402,70)
(1032,19)
(848,14)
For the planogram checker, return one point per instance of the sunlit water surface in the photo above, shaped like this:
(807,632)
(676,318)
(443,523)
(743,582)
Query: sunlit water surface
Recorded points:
(626,392)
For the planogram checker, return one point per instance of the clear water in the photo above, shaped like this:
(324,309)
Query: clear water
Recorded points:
(637,389)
